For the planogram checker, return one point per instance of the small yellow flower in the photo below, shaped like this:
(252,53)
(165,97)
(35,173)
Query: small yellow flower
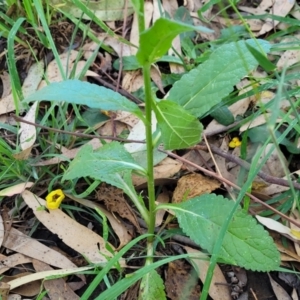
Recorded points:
(235,142)
(54,199)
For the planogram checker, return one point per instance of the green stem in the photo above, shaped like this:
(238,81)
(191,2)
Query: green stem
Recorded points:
(149,144)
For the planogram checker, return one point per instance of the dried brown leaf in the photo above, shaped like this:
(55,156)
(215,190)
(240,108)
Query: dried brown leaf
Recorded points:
(193,185)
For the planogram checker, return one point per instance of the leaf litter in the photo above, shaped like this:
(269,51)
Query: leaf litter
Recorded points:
(167,168)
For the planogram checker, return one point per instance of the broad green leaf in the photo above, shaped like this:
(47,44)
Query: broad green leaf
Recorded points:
(205,86)
(246,243)
(102,163)
(223,115)
(157,40)
(262,59)
(152,287)
(85,93)
(131,62)
(179,129)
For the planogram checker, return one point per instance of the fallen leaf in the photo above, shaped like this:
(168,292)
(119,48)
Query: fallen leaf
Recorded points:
(165,169)
(21,243)
(42,275)
(278,227)
(75,235)
(30,290)
(30,85)
(162,198)
(56,288)
(103,10)
(280,8)
(295,216)
(16,189)
(288,58)
(28,132)
(116,203)
(9,262)
(279,290)
(117,225)
(6,84)
(193,185)
(218,289)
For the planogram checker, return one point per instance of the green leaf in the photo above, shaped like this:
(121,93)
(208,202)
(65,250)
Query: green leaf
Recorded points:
(205,86)
(131,62)
(84,93)
(157,40)
(223,115)
(179,128)
(152,287)
(101,163)
(246,243)
(262,59)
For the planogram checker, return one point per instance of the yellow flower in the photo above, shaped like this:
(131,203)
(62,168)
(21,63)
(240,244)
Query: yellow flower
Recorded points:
(54,199)
(235,142)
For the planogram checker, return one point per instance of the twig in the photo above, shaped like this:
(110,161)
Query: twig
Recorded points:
(82,135)
(120,90)
(266,177)
(217,167)
(223,129)
(221,179)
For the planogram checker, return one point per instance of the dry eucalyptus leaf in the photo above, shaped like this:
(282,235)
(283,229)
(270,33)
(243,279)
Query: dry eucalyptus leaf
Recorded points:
(75,235)
(8,262)
(4,290)
(112,10)
(6,84)
(42,275)
(138,133)
(280,8)
(15,189)
(218,289)
(30,85)
(28,132)
(273,165)
(132,81)
(2,231)
(288,58)
(295,216)
(265,4)
(67,59)
(165,169)
(127,118)
(31,289)
(116,203)
(162,198)
(279,291)
(193,185)
(117,225)
(56,288)
(21,243)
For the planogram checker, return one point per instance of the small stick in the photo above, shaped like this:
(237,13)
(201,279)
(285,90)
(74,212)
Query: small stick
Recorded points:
(78,134)
(266,177)
(120,90)
(221,179)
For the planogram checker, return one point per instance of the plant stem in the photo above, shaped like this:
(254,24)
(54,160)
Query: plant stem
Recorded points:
(149,145)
